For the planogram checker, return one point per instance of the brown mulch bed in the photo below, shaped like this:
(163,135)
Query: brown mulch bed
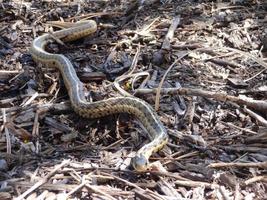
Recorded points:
(207,79)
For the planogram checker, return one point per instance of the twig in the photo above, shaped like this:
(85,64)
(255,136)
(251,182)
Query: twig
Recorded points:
(258,60)
(134,63)
(91,187)
(243,148)
(228,7)
(123,180)
(131,184)
(256,179)
(142,195)
(224,62)
(115,143)
(30,99)
(166,45)
(196,184)
(223,193)
(167,174)
(91,15)
(258,105)
(43,181)
(255,75)
(56,107)
(79,187)
(159,56)
(191,154)
(19,97)
(158,91)
(231,164)
(239,128)
(129,74)
(35,128)
(117,81)
(211,50)
(259,118)
(9,72)
(8,140)
(66,187)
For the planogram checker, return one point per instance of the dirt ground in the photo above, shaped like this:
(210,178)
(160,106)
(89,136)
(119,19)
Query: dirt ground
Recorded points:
(200,64)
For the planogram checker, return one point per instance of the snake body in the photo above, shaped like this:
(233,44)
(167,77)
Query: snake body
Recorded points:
(135,106)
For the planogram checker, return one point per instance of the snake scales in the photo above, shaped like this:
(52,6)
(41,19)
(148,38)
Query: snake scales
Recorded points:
(137,107)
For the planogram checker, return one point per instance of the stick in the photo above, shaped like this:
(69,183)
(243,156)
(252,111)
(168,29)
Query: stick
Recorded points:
(43,181)
(231,164)
(258,105)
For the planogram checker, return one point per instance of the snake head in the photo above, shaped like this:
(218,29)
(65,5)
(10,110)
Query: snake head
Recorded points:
(139,162)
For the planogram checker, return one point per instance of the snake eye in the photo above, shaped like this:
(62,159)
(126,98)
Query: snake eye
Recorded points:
(139,163)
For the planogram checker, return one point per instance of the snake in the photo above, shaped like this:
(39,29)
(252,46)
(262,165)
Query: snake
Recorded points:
(137,107)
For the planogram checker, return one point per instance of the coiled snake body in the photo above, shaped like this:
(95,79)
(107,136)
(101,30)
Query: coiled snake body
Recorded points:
(131,105)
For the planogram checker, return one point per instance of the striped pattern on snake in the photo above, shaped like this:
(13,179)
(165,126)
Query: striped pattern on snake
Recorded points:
(135,106)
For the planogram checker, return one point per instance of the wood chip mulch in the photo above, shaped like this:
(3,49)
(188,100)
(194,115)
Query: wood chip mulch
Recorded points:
(202,65)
